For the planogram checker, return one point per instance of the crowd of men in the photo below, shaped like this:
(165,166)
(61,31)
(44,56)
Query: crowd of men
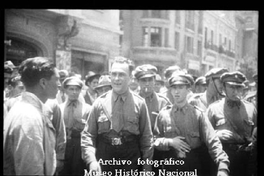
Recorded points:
(56,123)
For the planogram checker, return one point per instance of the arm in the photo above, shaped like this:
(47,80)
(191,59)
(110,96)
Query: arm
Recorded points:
(29,154)
(146,136)
(213,144)
(88,137)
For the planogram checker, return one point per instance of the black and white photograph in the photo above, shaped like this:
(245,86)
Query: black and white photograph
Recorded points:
(130,92)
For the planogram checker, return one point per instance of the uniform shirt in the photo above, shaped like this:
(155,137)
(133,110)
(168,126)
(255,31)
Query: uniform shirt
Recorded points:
(240,120)
(79,118)
(155,102)
(29,139)
(203,100)
(190,123)
(100,120)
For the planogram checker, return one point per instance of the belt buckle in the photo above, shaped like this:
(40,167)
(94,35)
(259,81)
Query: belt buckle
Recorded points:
(116,141)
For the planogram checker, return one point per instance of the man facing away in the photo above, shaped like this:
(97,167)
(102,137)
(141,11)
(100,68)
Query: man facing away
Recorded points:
(29,136)
(118,126)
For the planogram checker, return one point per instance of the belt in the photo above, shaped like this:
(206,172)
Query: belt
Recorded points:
(118,140)
(72,133)
(235,147)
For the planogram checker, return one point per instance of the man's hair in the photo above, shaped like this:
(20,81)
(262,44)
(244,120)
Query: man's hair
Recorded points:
(34,69)
(122,60)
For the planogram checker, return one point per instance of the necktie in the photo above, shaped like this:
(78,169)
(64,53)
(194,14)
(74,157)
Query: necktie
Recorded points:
(63,97)
(118,115)
(71,109)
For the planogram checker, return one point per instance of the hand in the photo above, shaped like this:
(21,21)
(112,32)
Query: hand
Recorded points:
(224,134)
(222,173)
(95,168)
(179,144)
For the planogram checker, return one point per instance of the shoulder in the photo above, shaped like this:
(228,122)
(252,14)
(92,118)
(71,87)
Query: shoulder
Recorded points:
(136,96)
(162,97)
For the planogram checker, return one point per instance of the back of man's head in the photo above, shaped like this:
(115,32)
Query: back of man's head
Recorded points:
(33,69)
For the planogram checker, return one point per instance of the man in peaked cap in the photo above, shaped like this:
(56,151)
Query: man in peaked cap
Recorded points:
(75,113)
(61,95)
(181,130)
(145,75)
(214,89)
(200,84)
(167,73)
(159,84)
(91,81)
(234,120)
(104,85)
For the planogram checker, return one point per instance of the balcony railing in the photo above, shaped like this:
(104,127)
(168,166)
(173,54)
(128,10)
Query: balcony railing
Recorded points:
(220,49)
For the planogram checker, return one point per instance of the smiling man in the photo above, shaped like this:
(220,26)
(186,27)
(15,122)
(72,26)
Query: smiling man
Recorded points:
(118,125)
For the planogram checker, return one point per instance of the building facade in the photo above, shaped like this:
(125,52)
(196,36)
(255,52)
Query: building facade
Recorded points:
(77,40)
(194,40)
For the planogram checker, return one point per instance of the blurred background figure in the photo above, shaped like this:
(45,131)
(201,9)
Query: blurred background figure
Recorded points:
(133,85)
(200,85)
(61,95)
(159,84)
(8,73)
(15,87)
(91,81)
(104,85)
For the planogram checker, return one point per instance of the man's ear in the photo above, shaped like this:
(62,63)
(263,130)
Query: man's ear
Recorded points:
(43,83)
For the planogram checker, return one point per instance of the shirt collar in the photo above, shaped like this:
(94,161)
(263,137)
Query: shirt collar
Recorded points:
(123,96)
(32,99)
(182,109)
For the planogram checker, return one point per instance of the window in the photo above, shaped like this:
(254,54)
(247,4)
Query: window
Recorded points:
(212,37)
(145,14)
(205,37)
(145,36)
(189,44)
(189,19)
(166,37)
(199,48)
(156,13)
(155,36)
(177,41)
(220,40)
(200,23)
(177,17)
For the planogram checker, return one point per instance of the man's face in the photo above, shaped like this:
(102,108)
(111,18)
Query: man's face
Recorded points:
(73,92)
(146,85)
(103,89)
(52,84)
(200,88)
(93,83)
(179,93)
(157,86)
(233,92)
(120,77)
(218,85)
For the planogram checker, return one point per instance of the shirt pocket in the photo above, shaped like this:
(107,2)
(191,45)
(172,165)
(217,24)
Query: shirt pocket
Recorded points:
(103,124)
(133,125)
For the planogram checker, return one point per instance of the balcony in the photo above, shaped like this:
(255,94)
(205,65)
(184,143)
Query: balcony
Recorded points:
(155,53)
(221,49)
